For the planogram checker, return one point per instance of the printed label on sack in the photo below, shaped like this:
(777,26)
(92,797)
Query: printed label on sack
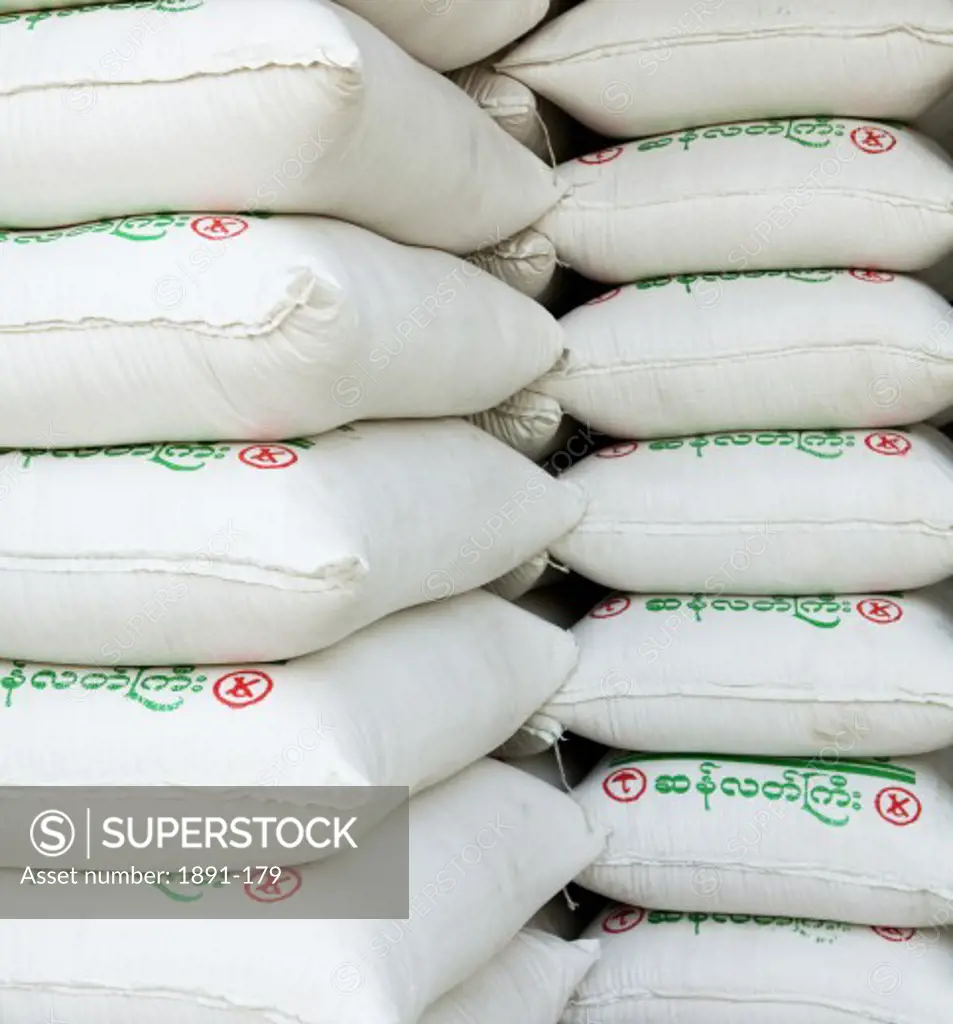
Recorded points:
(811,132)
(156,689)
(832,793)
(821,612)
(620,920)
(602,156)
(34,18)
(820,444)
(180,458)
(819,276)
(213,227)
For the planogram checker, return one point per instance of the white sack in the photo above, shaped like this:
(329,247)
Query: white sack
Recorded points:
(844,840)
(790,349)
(408,701)
(640,67)
(534,742)
(526,262)
(657,967)
(532,839)
(769,512)
(865,674)
(529,982)
(446,34)
(242,553)
(766,195)
(527,421)
(524,578)
(307,110)
(538,125)
(292,326)
(539,732)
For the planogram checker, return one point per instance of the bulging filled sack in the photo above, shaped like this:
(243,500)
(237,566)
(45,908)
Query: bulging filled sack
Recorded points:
(530,981)
(307,110)
(767,512)
(518,582)
(201,327)
(538,125)
(845,840)
(527,421)
(446,34)
(374,710)
(866,675)
(487,847)
(562,604)
(763,195)
(639,67)
(526,262)
(657,967)
(243,553)
(803,349)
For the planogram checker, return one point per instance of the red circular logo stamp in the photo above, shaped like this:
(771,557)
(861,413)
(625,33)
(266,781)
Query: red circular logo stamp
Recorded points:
(602,156)
(599,299)
(626,785)
(895,934)
(268,456)
(898,806)
(870,139)
(274,890)
(623,920)
(242,689)
(888,444)
(219,229)
(873,276)
(880,611)
(618,451)
(610,608)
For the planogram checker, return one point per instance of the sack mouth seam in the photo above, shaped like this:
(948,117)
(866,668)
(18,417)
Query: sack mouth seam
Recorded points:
(594,54)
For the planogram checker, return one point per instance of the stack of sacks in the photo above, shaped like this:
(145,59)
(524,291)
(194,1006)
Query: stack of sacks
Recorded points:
(310,110)
(766,515)
(321,578)
(201,326)
(797,172)
(536,122)
(390,331)
(528,261)
(489,847)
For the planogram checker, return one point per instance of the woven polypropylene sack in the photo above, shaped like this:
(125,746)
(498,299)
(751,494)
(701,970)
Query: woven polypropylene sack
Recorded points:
(802,676)
(659,966)
(190,554)
(763,195)
(787,349)
(767,512)
(639,67)
(309,109)
(530,839)
(201,328)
